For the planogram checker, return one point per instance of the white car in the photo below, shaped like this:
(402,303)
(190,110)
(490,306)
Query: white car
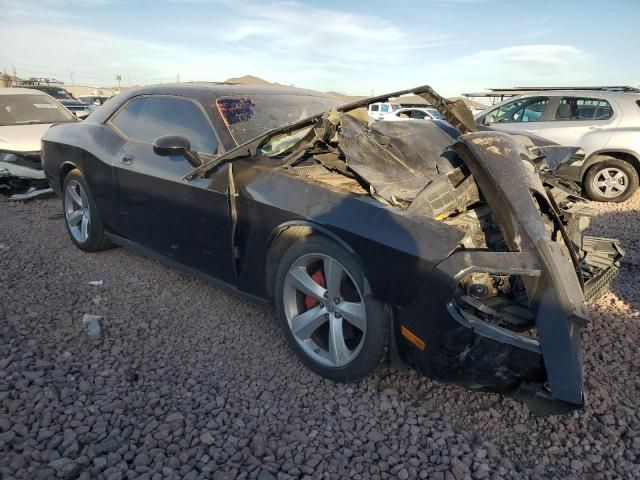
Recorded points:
(95,100)
(415,113)
(25,114)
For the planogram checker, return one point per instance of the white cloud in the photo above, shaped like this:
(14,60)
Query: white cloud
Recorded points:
(283,41)
(524,65)
(286,28)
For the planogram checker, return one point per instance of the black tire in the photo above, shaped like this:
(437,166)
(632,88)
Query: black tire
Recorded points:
(599,168)
(373,346)
(95,239)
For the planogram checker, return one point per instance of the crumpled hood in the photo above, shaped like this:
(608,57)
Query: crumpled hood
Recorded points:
(22,138)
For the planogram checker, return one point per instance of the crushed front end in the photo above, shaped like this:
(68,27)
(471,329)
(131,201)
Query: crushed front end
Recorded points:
(22,176)
(516,288)
(504,310)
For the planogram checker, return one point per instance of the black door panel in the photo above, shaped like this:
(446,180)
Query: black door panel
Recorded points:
(186,221)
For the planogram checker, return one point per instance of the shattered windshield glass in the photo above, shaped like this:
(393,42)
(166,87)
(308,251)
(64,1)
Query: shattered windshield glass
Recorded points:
(31,109)
(280,143)
(249,116)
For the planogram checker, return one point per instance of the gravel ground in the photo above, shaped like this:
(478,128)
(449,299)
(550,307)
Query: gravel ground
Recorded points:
(189,382)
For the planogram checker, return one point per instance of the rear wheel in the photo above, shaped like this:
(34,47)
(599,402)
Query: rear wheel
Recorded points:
(81,215)
(611,180)
(334,328)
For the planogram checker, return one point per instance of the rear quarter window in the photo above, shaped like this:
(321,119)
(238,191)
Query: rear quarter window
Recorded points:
(127,118)
(580,108)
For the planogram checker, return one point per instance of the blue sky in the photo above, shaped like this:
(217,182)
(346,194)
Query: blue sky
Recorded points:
(356,47)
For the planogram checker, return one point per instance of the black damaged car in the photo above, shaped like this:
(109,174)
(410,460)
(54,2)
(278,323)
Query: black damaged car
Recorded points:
(455,250)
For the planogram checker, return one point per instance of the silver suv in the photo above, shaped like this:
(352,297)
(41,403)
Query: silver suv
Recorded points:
(605,124)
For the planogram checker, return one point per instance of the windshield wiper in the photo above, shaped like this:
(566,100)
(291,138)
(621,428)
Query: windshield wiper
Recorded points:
(27,122)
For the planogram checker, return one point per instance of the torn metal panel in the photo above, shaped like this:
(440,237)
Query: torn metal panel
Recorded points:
(397,160)
(455,112)
(382,166)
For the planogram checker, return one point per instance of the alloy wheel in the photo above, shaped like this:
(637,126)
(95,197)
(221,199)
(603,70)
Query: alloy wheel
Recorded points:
(77,211)
(325,309)
(610,182)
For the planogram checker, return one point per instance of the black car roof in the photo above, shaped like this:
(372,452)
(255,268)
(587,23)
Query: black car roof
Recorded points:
(221,89)
(194,90)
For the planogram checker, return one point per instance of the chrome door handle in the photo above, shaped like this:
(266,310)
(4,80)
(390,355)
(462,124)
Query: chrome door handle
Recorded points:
(127,159)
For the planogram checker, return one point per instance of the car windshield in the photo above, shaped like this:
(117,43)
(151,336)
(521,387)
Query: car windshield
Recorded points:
(59,94)
(31,109)
(250,116)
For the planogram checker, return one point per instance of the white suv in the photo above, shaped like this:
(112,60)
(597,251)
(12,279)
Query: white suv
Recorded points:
(605,124)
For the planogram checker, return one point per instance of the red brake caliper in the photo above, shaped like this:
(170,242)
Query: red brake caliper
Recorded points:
(309,301)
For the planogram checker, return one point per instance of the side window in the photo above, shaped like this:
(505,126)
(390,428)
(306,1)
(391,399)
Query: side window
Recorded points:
(523,110)
(384,108)
(127,118)
(418,114)
(374,108)
(576,108)
(148,118)
(175,116)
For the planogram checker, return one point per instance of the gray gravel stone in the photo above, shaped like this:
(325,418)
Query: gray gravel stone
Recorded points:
(108,445)
(193,383)
(207,438)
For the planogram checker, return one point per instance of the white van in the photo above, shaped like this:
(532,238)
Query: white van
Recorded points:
(380,109)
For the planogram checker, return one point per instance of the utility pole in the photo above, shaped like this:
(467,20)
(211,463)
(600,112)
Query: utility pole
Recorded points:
(15,77)
(118,78)
(178,78)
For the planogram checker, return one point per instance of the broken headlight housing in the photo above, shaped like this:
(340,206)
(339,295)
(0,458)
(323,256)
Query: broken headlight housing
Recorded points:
(8,157)
(499,299)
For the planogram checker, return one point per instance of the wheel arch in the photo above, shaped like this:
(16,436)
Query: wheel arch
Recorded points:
(284,235)
(65,168)
(621,154)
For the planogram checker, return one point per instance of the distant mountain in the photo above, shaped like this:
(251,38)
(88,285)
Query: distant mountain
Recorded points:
(345,98)
(407,99)
(249,80)
(253,80)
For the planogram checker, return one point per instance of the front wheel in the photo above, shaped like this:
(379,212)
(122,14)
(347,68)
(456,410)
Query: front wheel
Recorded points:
(81,215)
(334,328)
(611,180)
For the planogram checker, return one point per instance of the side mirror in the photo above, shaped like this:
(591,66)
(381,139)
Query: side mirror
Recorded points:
(176,145)
(488,119)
